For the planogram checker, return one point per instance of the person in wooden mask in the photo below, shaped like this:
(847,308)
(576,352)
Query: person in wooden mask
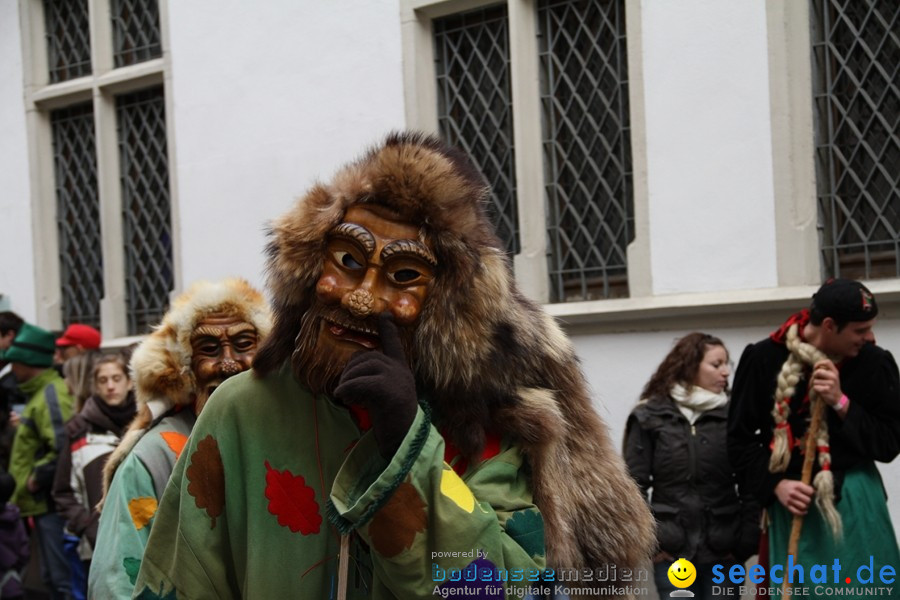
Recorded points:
(411,413)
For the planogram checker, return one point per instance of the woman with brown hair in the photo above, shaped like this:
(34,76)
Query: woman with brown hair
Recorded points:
(92,433)
(675,449)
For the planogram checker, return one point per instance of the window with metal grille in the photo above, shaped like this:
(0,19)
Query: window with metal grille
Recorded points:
(77,214)
(136,33)
(856,53)
(68,39)
(475,105)
(145,206)
(587,151)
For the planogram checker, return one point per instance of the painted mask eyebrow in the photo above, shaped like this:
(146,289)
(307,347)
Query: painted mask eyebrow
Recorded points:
(357,233)
(204,331)
(413,247)
(240,328)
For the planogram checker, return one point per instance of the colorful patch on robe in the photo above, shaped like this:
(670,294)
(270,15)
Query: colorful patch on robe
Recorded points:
(456,489)
(131,566)
(175,441)
(292,501)
(142,510)
(526,528)
(394,527)
(206,475)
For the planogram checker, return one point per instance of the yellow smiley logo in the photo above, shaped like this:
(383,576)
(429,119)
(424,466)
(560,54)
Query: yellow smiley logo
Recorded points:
(682,573)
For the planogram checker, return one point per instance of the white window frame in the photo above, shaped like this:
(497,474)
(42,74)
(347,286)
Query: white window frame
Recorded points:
(101,88)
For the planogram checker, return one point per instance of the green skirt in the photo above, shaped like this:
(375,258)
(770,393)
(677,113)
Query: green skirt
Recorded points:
(868,543)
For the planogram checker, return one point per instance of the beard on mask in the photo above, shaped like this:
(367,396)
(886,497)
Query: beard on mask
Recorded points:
(319,366)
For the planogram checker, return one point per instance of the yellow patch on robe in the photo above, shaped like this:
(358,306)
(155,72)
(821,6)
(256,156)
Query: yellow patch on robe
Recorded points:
(456,489)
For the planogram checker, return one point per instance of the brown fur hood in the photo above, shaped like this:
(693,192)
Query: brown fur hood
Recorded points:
(161,366)
(489,359)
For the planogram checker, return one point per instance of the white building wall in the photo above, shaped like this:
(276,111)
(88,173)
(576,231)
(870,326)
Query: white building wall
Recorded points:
(16,254)
(709,150)
(269,97)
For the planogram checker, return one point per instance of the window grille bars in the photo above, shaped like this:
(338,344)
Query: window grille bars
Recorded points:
(77,214)
(146,207)
(68,39)
(136,32)
(587,149)
(475,104)
(856,56)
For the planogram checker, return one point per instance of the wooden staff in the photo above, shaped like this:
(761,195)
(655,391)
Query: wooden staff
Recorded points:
(812,435)
(343,567)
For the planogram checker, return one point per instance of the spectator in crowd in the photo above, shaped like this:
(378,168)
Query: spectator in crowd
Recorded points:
(36,446)
(821,367)
(675,447)
(210,333)
(78,371)
(14,548)
(92,434)
(10,396)
(77,338)
(409,401)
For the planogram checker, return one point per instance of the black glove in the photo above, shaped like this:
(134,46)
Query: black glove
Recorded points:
(383,384)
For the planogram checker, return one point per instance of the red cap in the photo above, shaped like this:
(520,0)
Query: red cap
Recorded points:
(77,334)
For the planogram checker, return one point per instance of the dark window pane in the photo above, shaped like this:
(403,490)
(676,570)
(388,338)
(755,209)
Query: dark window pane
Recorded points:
(135,25)
(68,39)
(77,214)
(475,104)
(856,55)
(146,207)
(587,150)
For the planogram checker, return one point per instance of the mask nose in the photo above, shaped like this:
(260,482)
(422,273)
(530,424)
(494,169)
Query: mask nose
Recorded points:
(360,302)
(229,367)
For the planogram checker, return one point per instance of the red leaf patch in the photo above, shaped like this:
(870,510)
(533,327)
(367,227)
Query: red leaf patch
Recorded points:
(292,501)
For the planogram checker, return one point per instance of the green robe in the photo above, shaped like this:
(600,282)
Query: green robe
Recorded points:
(39,439)
(130,507)
(246,513)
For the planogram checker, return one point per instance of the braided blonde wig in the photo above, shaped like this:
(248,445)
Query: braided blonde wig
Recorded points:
(802,355)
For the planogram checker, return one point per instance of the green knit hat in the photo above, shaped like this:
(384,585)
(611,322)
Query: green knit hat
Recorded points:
(33,346)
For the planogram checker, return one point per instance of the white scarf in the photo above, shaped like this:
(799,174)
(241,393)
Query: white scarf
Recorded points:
(694,401)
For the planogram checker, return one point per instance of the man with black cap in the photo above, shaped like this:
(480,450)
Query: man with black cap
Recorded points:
(38,440)
(824,357)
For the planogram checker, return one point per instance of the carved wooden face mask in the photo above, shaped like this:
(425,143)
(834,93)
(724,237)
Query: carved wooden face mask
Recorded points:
(375,262)
(223,345)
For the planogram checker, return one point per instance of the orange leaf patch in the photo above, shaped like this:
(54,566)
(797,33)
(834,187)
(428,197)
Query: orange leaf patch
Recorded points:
(207,478)
(175,441)
(394,527)
(142,510)
(292,501)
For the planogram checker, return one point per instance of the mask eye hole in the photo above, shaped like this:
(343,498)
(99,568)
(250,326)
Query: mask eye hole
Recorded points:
(346,260)
(405,276)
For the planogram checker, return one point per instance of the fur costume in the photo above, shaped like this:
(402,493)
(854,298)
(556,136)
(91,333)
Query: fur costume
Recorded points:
(161,365)
(489,359)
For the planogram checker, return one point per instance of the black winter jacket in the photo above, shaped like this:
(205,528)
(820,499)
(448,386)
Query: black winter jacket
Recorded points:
(684,473)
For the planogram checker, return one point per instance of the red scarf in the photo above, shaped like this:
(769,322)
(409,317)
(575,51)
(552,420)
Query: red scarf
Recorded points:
(801,319)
